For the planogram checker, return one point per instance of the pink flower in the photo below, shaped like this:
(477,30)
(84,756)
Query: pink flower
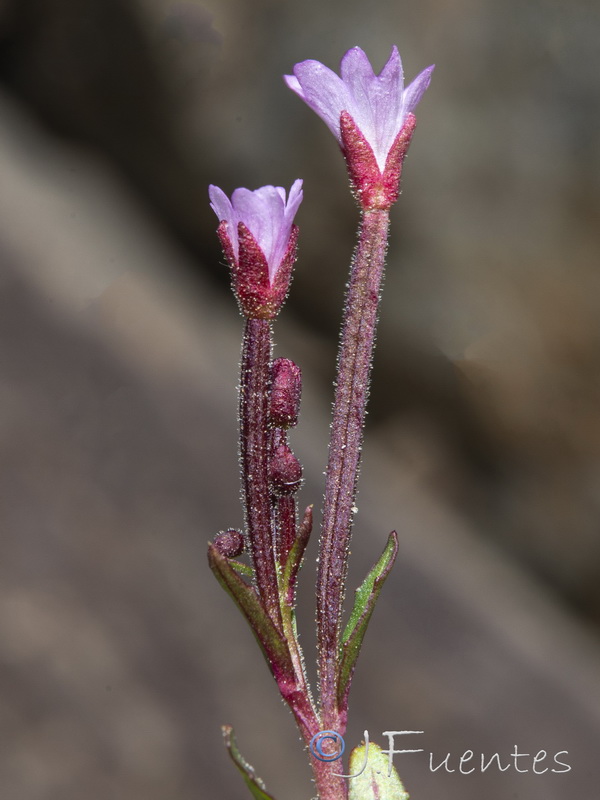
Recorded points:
(259,240)
(360,105)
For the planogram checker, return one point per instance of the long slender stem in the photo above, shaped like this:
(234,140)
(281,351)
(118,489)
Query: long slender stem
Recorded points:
(354,366)
(259,507)
(254,456)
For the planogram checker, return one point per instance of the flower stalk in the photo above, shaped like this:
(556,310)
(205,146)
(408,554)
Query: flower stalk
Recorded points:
(352,389)
(270,516)
(254,458)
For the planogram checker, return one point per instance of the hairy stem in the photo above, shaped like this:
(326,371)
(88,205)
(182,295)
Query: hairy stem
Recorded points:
(352,388)
(255,435)
(329,785)
(254,457)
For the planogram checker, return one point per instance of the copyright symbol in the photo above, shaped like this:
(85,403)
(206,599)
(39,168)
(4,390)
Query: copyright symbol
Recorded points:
(334,751)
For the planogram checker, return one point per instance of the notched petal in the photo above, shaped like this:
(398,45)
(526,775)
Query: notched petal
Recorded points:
(324,91)
(355,65)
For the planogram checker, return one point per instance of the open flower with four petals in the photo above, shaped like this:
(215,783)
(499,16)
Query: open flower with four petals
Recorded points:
(370,115)
(259,239)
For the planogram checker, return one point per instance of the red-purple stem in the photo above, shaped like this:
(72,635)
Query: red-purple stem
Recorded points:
(254,456)
(352,388)
(260,508)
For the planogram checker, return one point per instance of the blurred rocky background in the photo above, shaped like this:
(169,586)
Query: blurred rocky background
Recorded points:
(119,654)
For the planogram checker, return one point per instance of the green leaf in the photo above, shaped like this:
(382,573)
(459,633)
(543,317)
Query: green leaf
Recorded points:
(242,569)
(364,603)
(253,782)
(296,554)
(378,780)
(246,598)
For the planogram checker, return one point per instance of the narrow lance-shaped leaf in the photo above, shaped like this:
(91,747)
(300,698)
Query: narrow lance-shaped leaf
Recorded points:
(270,639)
(296,554)
(364,603)
(253,782)
(375,780)
(242,569)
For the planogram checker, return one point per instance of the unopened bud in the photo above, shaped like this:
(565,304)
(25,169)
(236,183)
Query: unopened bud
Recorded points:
(285,471)
(286,387)
(230,543)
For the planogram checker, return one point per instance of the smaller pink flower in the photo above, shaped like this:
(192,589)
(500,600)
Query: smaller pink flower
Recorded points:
(370,116)
(259,240)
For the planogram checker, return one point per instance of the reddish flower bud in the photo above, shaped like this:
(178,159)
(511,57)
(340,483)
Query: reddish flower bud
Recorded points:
(285,471)
(230,543)
(286,387)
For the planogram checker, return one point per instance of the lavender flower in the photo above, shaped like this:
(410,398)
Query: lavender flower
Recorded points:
(265,212)
(259,240)
(378,104)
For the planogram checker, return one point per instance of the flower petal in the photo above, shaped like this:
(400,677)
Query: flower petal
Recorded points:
(322,90)
(357,74)
(392,75)
(283,238)
(355,67)
(413,93)
(377,100)
(388,107)
(293,84)
(262,213)
(221,205)
(294,200)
